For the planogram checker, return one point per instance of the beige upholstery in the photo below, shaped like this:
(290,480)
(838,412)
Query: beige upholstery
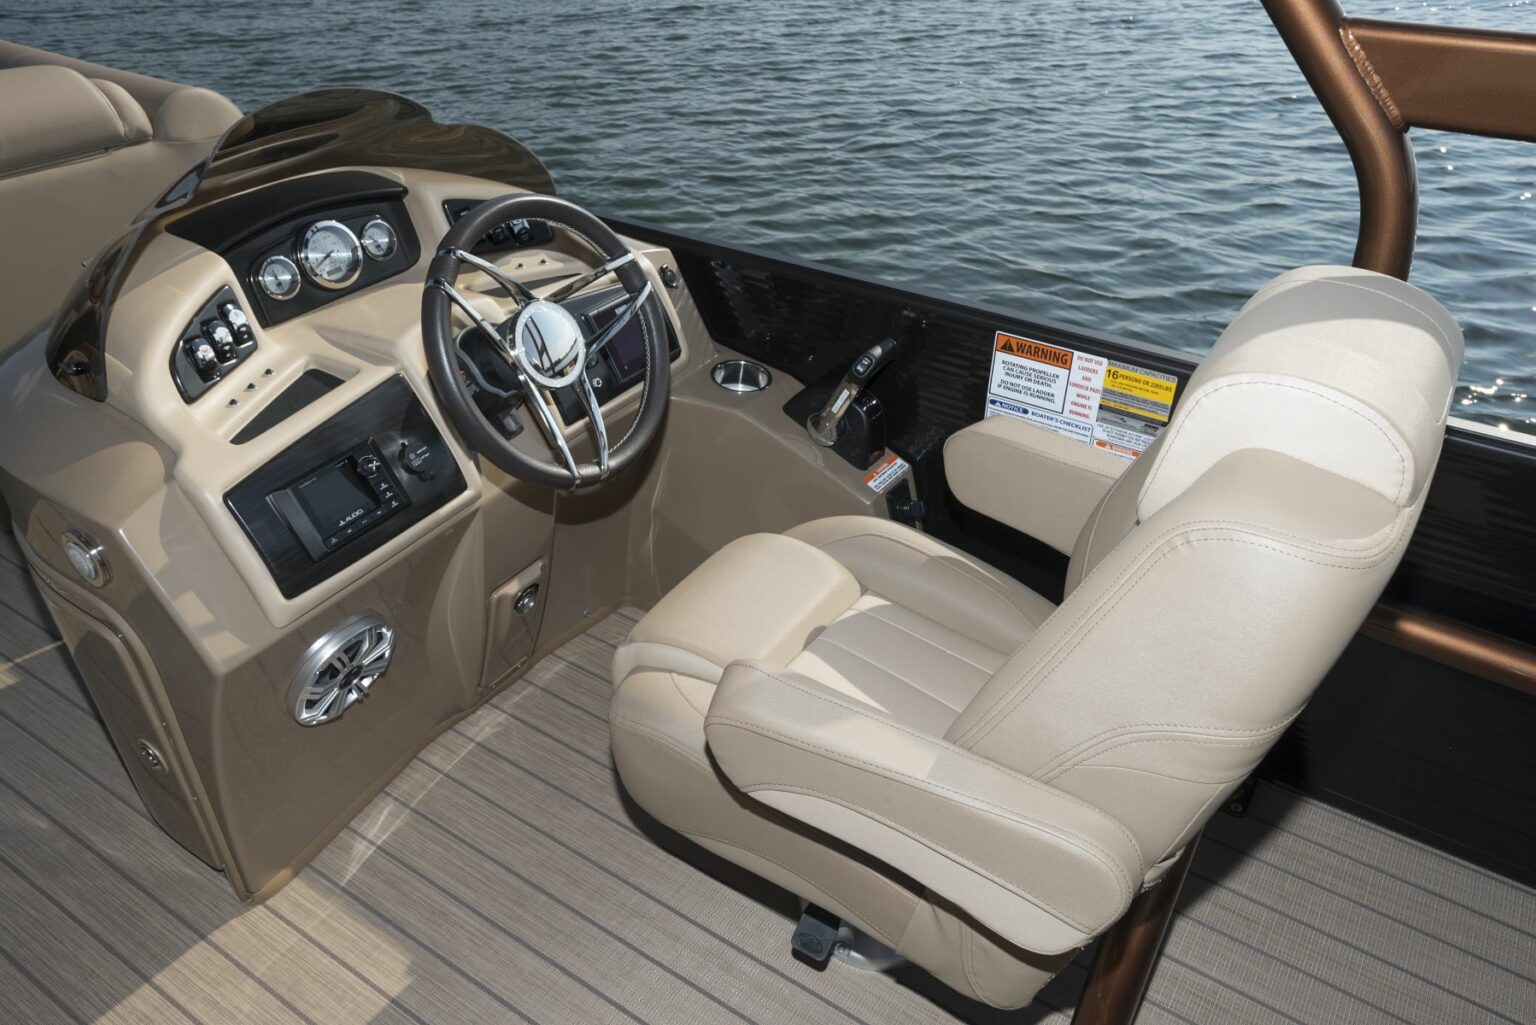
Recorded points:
(887,727)
(83,151)
(1049,487)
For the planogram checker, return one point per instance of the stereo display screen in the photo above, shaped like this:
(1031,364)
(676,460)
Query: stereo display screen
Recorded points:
(335,496)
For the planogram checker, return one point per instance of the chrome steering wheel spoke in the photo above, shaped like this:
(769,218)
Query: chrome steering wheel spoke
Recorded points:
(595,417)
(547,345)
(516,289)
(551,424)
(632,307)
(577,284)
(531,390)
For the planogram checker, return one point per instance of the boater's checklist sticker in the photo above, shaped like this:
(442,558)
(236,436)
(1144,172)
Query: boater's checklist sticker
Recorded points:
(1101,402)
(885,473)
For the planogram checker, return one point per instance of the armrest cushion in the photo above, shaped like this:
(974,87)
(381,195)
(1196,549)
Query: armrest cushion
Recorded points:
(1031,479)
(1041,868)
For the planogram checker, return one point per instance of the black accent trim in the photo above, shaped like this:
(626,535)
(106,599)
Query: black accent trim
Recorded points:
(231,221)
(385,417)
(285,236)
(311,385)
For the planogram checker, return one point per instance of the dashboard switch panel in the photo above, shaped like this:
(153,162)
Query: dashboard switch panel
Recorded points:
(212,344)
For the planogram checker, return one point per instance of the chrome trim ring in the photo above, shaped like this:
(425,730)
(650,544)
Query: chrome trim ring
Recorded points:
(293,269)
(354,250)
(87,557)
(392,243)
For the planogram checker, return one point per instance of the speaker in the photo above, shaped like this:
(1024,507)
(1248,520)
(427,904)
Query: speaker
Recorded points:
(340,668)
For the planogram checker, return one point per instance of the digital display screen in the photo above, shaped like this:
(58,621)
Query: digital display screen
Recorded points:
(627,350)
(335,497)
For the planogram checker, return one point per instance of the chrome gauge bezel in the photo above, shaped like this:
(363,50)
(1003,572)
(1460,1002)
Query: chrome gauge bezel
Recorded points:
(355,251)
(261,280)
(391,246)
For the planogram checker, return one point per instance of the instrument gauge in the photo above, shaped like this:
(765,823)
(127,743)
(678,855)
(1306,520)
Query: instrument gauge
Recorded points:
(378,239)
(279,277)
(330,254)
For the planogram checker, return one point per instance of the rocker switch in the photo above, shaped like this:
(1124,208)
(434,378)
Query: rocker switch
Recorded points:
(222,339)
(235,317)
(204,360)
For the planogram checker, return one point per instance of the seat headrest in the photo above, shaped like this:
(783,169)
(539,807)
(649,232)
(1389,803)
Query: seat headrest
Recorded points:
(1345,369)
(50,115)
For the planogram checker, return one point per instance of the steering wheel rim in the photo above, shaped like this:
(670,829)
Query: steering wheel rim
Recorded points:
(539,345)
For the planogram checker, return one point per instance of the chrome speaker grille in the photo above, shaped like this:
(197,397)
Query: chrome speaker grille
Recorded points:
(340,668)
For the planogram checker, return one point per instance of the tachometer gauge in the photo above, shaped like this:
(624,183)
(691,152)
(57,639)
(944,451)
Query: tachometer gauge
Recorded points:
(279,277)
(330,254)
(378,239)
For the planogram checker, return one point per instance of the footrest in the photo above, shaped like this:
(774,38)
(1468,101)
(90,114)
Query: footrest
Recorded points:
(815,935)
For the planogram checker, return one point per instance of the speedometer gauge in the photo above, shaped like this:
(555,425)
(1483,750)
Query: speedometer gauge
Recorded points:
(330,254)
(378,239)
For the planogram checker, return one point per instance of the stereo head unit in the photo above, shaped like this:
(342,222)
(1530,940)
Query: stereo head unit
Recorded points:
(340,499)
(362,477)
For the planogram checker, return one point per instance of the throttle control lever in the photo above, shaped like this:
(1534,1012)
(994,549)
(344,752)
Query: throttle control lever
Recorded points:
(823,426)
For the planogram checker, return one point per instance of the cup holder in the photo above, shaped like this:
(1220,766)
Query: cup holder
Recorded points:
(741,375)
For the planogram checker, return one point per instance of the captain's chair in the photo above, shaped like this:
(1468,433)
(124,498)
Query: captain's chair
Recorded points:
(979,779)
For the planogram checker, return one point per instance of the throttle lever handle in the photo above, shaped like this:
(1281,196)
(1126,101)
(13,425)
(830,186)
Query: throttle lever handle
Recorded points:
(822,427)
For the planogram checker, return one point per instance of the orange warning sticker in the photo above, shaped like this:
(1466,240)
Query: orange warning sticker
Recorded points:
(1028,348)
(886,472)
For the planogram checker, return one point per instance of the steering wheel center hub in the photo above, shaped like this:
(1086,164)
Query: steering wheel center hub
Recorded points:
(548,342)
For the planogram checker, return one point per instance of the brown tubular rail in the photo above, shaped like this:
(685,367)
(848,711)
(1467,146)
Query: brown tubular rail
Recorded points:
(1376,80)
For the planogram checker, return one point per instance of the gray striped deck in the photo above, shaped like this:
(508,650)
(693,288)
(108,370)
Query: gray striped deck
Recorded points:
(503,878)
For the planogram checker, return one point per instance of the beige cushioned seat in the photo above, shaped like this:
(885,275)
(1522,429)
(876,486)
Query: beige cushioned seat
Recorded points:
(894,730)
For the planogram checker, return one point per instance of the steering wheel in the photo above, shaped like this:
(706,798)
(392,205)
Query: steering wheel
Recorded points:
(543,343)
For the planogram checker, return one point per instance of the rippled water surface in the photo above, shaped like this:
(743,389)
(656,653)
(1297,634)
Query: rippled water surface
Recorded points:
(1136,168)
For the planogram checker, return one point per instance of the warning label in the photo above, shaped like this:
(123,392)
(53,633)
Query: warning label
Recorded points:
(1111,405)
(886,472)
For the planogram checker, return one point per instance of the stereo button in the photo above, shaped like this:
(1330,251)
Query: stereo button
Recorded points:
(369,466)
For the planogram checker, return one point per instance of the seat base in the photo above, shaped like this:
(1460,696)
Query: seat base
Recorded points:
(876,611)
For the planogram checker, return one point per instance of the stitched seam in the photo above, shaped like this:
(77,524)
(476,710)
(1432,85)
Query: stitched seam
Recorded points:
(1164,775)
(1131,576)
(920,785)
(925,692)
(1028,781)
(928,641)
(672,746)
(1189,728)
(1021,446)
(975,575)
(967,959)
(1037,901)
(1230,745)
(878,933)
(677,686)
(924,785)
(1402,468)
(660,738)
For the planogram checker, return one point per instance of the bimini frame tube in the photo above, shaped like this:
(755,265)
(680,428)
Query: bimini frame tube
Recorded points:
(1376,80)
(1317,33)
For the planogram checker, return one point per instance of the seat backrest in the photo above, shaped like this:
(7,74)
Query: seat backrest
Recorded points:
(1225,572)
(83,151)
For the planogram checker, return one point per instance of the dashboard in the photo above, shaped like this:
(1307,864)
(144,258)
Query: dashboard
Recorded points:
(319,302)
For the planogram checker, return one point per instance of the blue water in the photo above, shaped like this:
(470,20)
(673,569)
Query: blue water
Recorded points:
(1126,166)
